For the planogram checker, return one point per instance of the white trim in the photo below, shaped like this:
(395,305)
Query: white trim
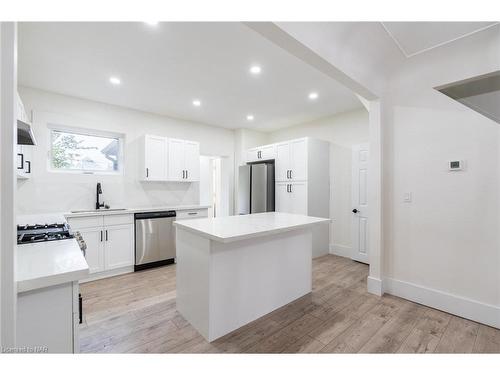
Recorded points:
(451,303)
(8,172)
(341,250)
(106,274)
(374,286)
(407,55)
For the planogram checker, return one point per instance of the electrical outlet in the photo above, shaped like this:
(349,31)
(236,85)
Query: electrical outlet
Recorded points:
(407,198)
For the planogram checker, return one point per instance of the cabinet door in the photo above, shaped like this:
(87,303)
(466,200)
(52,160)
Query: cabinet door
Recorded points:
(118,246)
(268,152)
(192,160)
(298,160)
(298,198)
(282,197)
(176,160)
(252,155)
(282,161)
(155,150)
(94,255)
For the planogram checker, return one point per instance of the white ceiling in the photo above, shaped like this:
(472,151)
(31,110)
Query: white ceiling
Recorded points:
(416,37)
(163,68)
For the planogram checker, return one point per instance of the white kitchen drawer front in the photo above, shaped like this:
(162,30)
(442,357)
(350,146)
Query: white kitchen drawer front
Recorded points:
(118,219)
(191,214)
(85,222)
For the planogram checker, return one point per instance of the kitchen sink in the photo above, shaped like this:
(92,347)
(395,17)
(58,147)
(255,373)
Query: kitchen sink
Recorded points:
(100,210)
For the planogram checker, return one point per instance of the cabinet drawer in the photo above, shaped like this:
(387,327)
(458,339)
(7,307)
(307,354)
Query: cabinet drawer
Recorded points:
(85,222)
(118,219)
(192,214)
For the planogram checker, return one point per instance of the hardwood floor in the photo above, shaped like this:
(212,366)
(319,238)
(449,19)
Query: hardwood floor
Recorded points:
(136,313)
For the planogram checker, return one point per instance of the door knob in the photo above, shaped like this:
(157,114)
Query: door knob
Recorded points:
(355,211)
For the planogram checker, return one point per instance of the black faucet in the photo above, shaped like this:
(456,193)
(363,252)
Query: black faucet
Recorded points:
(97,204)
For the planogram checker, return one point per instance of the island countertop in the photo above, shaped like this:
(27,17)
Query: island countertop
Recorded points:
(235,228)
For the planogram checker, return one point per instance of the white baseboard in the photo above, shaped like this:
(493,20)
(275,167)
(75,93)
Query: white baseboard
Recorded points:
(340,250)
(453,304)
(374,286)
(105,274)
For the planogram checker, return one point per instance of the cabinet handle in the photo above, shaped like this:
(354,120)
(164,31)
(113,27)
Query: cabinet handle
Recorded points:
(192,213)
(21,165)
(28,163)
(80,308)
(101,235)
(290,174)
(106,234)
(290,188)
(183,174)
(147,172)
(287,188)
(187,174)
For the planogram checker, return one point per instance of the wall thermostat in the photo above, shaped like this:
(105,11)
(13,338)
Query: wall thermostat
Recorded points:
(456,165)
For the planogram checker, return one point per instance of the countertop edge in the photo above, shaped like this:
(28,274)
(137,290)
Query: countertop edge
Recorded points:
(246,236)
(51,280)
(129,211)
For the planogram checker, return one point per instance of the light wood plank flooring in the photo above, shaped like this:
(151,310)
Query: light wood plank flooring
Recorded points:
(136,313)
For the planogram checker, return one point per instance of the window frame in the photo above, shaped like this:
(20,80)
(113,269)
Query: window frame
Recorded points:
(90,132)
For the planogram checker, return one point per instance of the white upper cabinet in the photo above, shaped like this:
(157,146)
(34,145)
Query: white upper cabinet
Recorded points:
(267,152)
(155,158)
(183,160)
(176,156)
(192,160)
(291,160)
(170,159)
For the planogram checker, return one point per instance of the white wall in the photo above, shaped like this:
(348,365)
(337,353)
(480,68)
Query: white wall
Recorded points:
(342,131)
(445,242)
(48,192)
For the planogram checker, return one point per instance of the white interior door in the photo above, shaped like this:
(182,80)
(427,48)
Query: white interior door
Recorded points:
(360,203)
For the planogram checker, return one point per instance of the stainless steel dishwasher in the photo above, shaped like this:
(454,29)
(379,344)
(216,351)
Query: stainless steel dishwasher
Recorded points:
(154,239)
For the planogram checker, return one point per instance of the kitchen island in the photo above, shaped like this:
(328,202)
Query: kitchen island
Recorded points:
(232,270)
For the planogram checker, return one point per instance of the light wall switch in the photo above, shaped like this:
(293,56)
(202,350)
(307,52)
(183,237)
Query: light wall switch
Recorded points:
(407,197)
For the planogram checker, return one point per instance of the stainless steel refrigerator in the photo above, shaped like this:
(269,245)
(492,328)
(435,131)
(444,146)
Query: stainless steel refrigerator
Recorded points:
(256,188)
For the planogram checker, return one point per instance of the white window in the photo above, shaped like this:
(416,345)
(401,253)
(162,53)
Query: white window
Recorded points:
(85,151)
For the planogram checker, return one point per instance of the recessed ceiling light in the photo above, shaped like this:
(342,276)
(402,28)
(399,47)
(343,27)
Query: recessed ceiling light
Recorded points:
(313,95)
(196,103)
(250,117)
(115,80)
(152,23)
(255,69)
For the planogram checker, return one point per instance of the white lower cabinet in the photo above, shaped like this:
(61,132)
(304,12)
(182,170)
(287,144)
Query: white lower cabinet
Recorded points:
(291,197)
(94,255)
(118,246)
(48,319)
(109,239)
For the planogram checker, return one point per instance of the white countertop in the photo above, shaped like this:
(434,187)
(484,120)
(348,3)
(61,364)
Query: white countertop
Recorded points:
(44,264)
(134,210)
(241,227)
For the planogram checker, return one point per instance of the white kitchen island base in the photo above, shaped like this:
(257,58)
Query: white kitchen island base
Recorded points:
(227,282)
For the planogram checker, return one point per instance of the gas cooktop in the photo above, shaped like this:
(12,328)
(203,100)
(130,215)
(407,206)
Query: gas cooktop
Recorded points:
(42,232)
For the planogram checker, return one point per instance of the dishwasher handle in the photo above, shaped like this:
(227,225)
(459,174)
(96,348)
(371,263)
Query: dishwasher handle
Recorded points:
(154,215)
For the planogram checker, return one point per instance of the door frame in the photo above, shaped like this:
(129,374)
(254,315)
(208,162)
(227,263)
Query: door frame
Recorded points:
(8,179)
